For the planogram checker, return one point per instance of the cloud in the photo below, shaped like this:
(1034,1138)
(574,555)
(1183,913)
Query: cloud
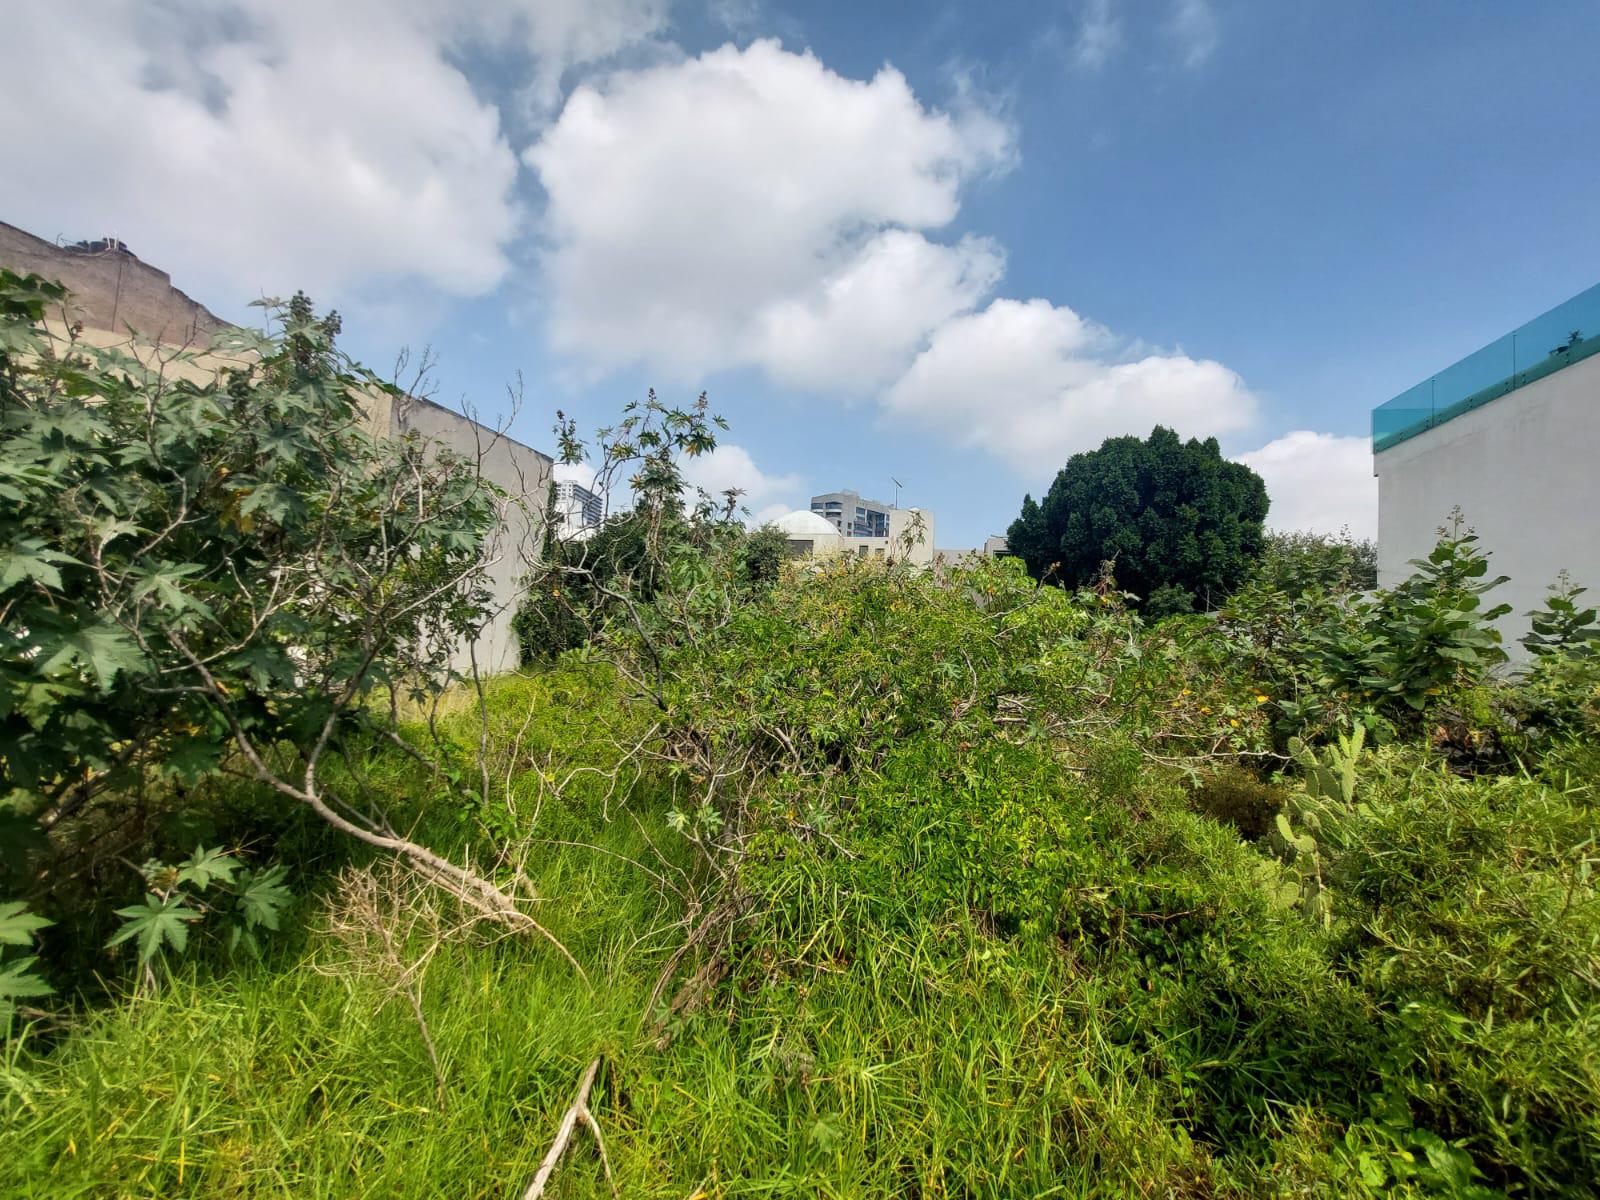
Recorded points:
(1099,35)
(1033,383)
(270,144)
(751,208)
(731,466)
(1192,27)
(1319,482)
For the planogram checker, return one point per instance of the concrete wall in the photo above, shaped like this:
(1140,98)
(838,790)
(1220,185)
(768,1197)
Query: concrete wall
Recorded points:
(901,522)
(524,473)
(1525,470)
(113,291)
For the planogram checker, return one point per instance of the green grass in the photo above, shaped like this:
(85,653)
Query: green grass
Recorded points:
(1008,972)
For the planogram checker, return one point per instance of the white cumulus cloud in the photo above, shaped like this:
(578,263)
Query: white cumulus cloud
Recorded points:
(269,144)
(750,207)
(1319,482)
(1033,382)
(731,466)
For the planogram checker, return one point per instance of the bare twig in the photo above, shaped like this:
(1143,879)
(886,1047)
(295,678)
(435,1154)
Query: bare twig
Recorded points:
(578,1111)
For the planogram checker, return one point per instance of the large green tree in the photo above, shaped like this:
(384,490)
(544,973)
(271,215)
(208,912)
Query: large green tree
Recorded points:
(1181,524)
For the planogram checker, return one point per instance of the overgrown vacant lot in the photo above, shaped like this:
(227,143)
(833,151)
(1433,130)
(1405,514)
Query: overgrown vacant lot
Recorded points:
(956,922)
(842,879)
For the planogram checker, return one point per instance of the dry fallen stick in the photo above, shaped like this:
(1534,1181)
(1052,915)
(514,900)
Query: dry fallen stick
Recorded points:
(579,1111)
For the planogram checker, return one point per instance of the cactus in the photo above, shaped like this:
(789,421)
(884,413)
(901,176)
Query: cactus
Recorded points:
(1318,818)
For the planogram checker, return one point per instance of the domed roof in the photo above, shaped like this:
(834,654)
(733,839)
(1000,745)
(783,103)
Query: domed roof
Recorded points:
(803,524)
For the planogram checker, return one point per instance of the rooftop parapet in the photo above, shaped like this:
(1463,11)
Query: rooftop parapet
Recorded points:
(1568,333)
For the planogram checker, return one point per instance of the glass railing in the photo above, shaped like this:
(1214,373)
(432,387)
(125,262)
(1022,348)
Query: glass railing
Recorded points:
(1568,333)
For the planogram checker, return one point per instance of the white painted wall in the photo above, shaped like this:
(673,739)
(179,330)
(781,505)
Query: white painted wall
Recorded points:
(1525,470)
(901,523)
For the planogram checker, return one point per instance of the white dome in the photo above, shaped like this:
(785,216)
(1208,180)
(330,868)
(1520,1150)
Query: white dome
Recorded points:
(803,524)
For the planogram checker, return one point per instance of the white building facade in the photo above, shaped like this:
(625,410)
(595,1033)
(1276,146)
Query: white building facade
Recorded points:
(1511,436)
(577,510)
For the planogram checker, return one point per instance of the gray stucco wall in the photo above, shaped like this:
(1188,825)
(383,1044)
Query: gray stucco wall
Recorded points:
(1525,470)
(524,474)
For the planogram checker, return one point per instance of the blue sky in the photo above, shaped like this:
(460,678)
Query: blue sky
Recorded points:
(951,243)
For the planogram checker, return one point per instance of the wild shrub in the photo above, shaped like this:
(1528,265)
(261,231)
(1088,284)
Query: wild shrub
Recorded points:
(1561,626)
(1327,657)
(1232,794)
(1298,562)
(1470,908)
(210,564)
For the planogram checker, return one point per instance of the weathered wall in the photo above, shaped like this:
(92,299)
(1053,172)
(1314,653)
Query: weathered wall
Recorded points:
(113,291)
(1525,470)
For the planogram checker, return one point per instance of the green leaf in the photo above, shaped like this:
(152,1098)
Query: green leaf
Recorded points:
(261,896)
(163,585)
(102,649)
(18,925)
(19,981)
(205,867)
(30,559)
(155,923)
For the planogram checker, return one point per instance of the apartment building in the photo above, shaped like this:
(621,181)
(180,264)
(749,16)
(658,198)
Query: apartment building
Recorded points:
(851,515)
(578,510)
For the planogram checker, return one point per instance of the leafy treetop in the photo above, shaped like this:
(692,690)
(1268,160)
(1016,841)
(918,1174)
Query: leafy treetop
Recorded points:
(1181,524)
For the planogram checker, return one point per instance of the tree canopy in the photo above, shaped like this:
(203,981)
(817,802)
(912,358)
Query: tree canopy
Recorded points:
(1181,524)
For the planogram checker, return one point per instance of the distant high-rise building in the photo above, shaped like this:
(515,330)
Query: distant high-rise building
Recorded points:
(852,515)
(845,523)
(577,509)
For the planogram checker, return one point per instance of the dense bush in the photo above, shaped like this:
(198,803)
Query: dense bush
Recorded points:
(581,585)
(1294,563)
(205,563)
(1327,655)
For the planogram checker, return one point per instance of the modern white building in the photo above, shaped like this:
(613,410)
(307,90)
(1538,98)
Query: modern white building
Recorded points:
(852,514)
(577,510)
(1511,436)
